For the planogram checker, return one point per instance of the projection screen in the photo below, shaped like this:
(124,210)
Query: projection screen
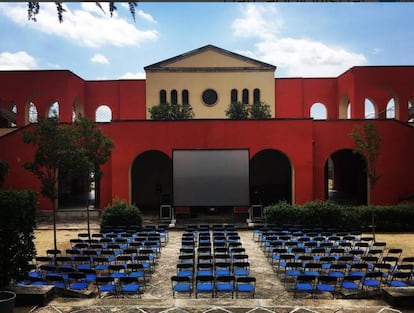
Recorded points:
(211,177)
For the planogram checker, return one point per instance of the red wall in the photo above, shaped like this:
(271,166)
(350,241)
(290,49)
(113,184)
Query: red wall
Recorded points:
(305,142)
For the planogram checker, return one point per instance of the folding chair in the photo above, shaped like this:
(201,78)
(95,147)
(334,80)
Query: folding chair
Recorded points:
(129,285)
(77,281)
(181,284)
(245,285)
(372,280)
(304,283)
(351,283)
(241,269)
(398,279)
(204,284)
(326,284)
(106,285)
(224,284)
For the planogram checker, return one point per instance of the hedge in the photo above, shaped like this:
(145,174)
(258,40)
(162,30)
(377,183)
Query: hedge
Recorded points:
(120,214)
(17,224)
(396,218)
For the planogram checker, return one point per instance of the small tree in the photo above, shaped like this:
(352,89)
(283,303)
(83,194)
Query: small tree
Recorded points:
(165,111)
(367,143)
(97,148)
(259,111)
(56,148)
(237,111)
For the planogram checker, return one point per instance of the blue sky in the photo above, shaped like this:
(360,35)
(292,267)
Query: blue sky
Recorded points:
(301,39)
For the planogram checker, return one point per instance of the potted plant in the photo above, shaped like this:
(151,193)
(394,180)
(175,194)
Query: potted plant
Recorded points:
(17,223)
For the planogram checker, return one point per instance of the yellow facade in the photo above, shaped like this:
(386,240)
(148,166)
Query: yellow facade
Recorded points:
(210,68)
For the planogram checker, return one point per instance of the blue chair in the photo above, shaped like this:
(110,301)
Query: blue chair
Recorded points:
(129,285)
(106,285)
(222,268)
(204,284)
(77,281)
(224,284)
(399,279)
(326,284)
(245,285)
(181,284)
(241,269)
(56,280)
(373,280)
(351,283)
(304,283)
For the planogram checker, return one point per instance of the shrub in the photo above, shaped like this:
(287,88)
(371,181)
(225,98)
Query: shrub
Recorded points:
(121,214)
(17,224)
(330,215)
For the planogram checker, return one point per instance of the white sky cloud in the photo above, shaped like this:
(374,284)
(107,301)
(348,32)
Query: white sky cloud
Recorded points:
(100,59)
(130,75)
(88,26)
(295,56)
(20,60)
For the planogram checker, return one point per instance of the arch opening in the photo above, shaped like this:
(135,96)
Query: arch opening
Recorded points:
(346,178)
(270,178)
(370,109)
(151,180)
(318,111)
(103,114)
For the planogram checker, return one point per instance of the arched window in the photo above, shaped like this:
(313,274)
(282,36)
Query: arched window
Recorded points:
(233,96)
(14,110)
(184,95)
(390,110)
(348,111)
(103,114)
(411,110)
(53,110)
(318,111)
(256,95)
(163,96)
(370,111)
(33,115)
(174,96)
(245,96)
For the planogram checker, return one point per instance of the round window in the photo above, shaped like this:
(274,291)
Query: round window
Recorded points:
(209,97)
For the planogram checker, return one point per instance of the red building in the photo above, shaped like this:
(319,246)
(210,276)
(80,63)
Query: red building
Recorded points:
(303,153)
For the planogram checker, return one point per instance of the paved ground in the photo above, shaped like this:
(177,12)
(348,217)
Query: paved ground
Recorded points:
(271,295)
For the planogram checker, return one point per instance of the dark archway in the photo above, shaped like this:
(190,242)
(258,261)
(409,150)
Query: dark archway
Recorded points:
(151,180)
(346,178)
(270,177)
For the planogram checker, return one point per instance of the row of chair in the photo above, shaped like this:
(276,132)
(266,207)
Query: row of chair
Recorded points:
(212,261)
(214,285)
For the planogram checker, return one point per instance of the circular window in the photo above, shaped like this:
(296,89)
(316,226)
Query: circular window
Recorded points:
(209,97)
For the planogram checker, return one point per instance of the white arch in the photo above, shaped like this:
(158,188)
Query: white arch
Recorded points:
(103,114)
(348,111)
(370,111)
(53,110)
(390,109)
(318,111)
(32,113)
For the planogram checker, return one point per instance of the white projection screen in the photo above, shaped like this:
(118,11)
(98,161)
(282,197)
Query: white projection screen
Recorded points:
(211,177)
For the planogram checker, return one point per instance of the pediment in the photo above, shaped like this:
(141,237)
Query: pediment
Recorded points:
(209,58)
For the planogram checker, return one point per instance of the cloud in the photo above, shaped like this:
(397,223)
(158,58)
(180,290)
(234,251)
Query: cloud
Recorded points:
(88,26)
(293,56)
(258,21)
(130,75)
(20,60)
(100,59)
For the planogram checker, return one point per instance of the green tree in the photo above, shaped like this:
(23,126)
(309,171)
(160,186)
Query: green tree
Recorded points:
(237,111)
(166,111)
(260,110)
(367,142)
(33,8)
(56,148)
(97,148)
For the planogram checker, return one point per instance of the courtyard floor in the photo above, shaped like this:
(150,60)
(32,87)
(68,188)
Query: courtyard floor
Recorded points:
(271,294)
